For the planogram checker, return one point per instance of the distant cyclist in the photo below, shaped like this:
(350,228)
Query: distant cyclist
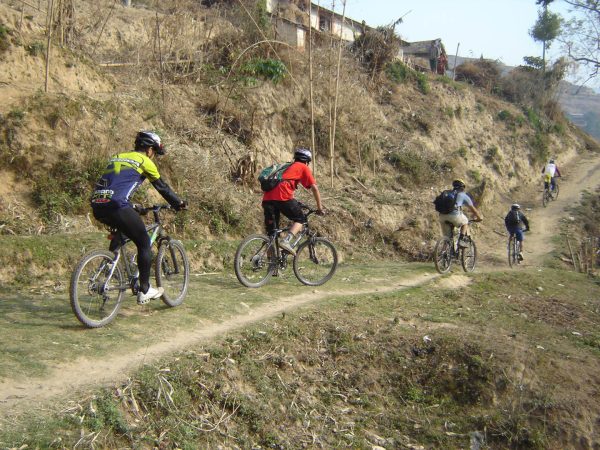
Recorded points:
(550,172)
(513,222)
(280,200)
(455,215)
(111,203)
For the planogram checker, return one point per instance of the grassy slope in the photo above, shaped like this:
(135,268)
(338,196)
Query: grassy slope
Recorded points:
(429,366)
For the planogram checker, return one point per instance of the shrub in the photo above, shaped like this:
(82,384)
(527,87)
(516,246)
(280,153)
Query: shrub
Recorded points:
(35,48)
(483,73)
(505,115)
(4,38)
(269,69)
(65,187)
(397,71)
(475,175)
(377,48)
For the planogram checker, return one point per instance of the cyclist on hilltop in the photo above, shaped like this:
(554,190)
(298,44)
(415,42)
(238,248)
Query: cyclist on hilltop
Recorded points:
(550,172)
(450,205)
(281,198)
(111,204)
(513,221)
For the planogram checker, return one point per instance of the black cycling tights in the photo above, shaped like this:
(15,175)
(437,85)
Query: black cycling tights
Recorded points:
(131,224)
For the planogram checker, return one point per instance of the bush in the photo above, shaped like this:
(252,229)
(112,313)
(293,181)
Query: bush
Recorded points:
(65,187)
(377,48)
(483,73)
(269,69)
(4,38)
(35,48)
(398,72)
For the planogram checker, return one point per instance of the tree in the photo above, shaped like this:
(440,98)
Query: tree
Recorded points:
(581,34)
(546,29)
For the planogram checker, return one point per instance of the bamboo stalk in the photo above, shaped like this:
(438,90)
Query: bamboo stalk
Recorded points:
(49,20)
(162,74)
(311,94)
(571,251)
(337,86)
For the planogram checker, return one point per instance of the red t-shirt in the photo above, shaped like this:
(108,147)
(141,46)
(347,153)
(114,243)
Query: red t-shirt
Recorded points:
(297,173)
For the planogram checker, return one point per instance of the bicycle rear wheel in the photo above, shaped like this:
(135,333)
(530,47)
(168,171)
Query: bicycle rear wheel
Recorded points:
(545,197)
(95,301)
(442,255)
(512,251)
(315,262)
(254,261)
(468,256)
(172,272)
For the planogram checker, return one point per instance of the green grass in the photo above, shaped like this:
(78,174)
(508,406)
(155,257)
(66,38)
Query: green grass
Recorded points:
(424,366)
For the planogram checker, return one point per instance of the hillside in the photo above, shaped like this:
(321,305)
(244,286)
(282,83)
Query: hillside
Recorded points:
(397,143)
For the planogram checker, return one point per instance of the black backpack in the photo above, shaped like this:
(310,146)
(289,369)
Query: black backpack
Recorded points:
(445,202)
(513,218)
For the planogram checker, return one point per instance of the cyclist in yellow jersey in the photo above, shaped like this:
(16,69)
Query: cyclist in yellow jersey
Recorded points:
(111,204)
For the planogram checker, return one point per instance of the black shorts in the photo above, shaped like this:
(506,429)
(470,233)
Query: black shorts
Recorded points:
(274,208)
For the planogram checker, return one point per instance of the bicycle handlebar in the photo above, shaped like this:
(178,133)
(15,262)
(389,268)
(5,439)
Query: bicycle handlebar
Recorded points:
(143,210)
(309,210)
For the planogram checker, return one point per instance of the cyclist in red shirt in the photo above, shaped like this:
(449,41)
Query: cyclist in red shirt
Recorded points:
(281,199)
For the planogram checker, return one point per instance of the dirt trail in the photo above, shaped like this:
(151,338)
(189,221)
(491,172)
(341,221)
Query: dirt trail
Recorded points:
(578,177)
(83,373)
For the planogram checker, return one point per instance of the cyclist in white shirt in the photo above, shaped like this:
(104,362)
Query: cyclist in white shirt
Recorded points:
(550,171)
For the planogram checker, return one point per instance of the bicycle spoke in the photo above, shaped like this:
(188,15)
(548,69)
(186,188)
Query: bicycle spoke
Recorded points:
(315,261)
(468,256)
(443,255)
(172,272)
(96,298)
(254,261)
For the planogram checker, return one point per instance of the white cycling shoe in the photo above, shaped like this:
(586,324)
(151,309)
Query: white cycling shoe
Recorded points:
(152,293)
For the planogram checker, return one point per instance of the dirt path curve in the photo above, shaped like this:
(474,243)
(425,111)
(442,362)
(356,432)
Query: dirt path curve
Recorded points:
(578,177)
(83,373)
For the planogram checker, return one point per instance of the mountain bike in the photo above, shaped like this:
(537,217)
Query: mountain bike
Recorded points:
(259,257)
(514,249)
(448,251)
(550,194)
(101,277)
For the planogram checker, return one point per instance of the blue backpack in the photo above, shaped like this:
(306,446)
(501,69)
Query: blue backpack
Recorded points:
(445,202)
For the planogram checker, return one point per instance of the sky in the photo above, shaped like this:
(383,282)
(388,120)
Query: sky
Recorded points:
(496,29)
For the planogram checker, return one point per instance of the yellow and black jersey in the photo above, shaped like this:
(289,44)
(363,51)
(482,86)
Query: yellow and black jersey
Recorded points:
(123,175)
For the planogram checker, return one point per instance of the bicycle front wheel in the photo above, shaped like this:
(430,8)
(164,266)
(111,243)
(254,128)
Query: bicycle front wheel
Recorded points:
(468,256)
(442,255)
(555,192)
(254,261)
(315,262)
(512,251)
(172,272)
(95,298)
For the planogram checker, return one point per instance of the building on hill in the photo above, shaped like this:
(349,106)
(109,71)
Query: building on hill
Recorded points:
(291,22)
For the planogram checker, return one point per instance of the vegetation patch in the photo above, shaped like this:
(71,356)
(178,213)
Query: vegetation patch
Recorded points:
(363,371)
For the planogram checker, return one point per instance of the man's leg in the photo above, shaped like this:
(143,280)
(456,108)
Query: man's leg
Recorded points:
(292,210)
(132,225)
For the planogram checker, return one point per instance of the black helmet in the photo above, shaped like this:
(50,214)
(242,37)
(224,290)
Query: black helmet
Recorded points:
(303,154)
(146,139)
(458,184)
(515,206)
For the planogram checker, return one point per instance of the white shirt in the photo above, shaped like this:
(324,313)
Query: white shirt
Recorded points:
(550,169)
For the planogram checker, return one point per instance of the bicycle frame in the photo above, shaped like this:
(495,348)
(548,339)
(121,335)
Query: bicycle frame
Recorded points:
(280,259)
(156,232)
